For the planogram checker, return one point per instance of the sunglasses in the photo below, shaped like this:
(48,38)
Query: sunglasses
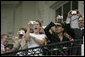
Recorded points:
(58,26)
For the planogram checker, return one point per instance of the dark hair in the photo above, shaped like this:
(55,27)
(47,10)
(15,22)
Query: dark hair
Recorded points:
(62,24)
(23,29)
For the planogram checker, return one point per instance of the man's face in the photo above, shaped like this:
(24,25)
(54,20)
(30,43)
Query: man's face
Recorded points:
(5,40)
(81,23)
(59,29)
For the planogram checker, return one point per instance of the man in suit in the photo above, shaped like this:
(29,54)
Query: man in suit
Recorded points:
(77,34)
(80,30)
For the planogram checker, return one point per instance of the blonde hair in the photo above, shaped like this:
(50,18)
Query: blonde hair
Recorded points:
(2,35)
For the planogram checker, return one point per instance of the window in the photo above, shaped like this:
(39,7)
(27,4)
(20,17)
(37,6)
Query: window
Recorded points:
(74,5)
(58,12)
(65,8)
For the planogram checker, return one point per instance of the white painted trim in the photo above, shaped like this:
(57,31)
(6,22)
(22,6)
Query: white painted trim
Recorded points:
(58,4)
(71,5)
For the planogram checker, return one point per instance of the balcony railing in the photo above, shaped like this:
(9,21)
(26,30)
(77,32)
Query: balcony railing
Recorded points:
(55,49)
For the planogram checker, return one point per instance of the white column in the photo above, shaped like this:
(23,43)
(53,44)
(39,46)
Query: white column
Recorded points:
(82,48)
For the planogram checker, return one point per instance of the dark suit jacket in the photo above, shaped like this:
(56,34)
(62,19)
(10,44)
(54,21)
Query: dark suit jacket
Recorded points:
(53,37)
(76,33)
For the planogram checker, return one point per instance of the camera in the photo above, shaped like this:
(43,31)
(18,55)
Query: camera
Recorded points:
(60,17)
(43,26)
(74,12)
(32,22)
(21,32)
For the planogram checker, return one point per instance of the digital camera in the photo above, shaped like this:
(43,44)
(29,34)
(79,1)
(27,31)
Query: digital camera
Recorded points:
(32,22)
(21,32)
(60,17)
(74,12)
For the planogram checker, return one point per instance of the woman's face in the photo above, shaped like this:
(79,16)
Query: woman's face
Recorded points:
(36,25)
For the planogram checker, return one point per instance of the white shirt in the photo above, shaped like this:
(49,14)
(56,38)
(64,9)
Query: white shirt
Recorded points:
(73,20)
(2,47)
(82,48)
(82,28)
(32,43)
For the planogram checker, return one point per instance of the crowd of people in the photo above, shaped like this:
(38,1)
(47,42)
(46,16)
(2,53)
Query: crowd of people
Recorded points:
(36,35)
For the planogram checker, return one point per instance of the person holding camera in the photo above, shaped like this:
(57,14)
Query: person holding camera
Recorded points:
(36,38)
(21,42)
(72,22)
(58,36)
(72,18)
(77,32)
(59,19)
